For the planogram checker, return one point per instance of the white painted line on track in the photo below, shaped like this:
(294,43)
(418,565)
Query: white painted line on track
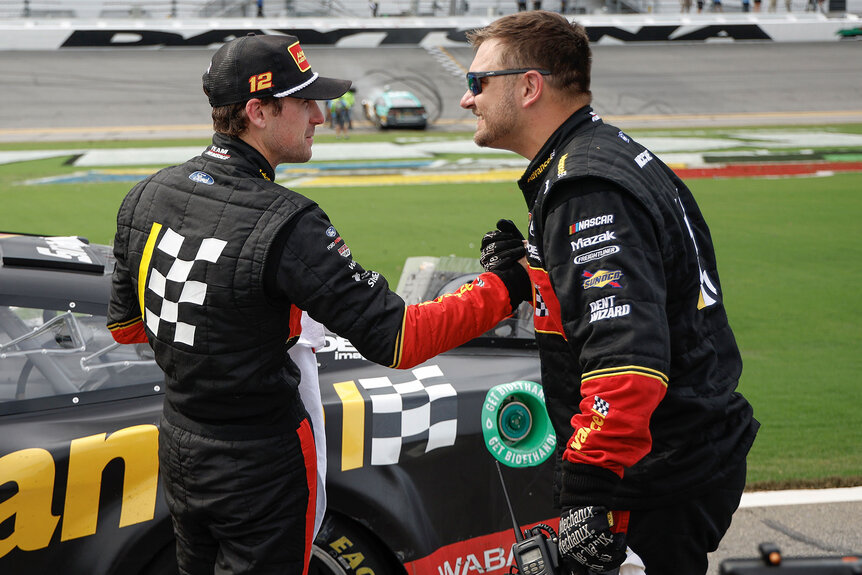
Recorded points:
(800,497)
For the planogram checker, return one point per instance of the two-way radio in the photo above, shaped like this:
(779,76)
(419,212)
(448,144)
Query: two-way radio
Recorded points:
(535,550)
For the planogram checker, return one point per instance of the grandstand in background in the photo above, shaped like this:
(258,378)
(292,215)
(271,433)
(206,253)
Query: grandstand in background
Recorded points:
(161,9)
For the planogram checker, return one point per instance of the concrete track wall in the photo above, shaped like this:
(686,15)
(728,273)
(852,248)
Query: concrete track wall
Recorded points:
(52,34)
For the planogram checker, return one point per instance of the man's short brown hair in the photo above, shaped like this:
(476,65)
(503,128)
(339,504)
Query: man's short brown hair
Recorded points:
(232,119)
(542,39)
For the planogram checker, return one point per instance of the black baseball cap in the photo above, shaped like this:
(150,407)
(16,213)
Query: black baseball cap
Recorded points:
(261,66)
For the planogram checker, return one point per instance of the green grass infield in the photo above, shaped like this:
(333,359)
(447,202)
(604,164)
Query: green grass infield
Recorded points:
(789,253)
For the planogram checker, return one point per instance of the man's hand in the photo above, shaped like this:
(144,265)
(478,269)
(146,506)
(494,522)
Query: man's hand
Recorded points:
(586,539)
(502,247)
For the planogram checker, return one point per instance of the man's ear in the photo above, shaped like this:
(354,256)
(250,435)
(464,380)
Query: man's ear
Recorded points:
(532,88)
(254,111)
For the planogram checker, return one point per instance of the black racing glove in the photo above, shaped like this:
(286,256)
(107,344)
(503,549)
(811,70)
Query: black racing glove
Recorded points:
(502,247)
(586,540)
(501,250)
(591,538)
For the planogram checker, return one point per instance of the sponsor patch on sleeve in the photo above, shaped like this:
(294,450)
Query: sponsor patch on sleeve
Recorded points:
(593,222)
(607,308)
(596,255)
(602,278)
(601,238)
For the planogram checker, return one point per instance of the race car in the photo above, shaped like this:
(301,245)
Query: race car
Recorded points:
(412,483)
(395,109)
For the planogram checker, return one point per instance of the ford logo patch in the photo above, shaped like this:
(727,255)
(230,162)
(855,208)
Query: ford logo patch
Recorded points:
(202,178)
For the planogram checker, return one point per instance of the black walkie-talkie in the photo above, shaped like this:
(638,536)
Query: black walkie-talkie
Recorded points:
(537,553)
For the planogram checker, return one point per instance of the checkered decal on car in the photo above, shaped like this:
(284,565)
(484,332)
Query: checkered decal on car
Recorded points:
(421,414)
(174,287)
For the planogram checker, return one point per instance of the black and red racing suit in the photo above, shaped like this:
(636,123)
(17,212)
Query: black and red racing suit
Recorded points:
(639,363)
(214,262)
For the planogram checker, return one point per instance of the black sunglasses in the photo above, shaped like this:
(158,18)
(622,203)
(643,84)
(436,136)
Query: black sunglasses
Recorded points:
(474,83)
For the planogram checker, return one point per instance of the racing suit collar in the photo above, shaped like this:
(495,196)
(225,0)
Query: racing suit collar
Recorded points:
(238,153)
(529,183)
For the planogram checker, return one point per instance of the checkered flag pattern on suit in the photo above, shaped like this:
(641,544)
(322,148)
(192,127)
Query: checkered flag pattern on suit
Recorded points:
(601,406)
(413,414)
(174,287)
(541,308)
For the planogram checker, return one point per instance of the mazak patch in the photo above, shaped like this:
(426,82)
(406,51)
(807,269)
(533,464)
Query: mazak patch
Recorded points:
(593,240)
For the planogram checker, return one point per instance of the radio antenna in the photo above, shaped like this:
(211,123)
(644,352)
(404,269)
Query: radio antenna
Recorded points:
(518,535)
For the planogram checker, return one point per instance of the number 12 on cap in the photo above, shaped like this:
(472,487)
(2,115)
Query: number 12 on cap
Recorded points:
(260,82)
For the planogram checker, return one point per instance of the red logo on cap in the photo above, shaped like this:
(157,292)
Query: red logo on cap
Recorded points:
(298,56)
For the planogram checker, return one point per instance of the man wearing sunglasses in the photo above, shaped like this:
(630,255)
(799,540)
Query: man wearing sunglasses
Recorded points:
(639,364)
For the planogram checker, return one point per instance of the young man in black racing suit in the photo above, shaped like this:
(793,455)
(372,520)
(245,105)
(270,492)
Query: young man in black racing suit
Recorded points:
(214,263)
(639,364)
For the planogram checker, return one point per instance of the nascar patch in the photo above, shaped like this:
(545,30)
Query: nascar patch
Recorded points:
(591,223)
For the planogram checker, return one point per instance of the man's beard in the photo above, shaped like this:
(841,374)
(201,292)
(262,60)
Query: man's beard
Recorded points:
(500,127)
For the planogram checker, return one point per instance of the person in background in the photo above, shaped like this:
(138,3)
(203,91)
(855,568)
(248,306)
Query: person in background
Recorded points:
(349,99)
(639,363)
(215,265)
(340,118)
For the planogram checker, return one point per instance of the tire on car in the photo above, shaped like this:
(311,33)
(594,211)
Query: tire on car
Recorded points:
(343,547)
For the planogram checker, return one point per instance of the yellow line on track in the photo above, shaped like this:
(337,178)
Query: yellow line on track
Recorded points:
(404,179)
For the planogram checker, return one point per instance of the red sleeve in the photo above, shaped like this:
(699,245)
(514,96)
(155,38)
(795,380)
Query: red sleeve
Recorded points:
(433,327)
(612,429)
(129,332)
(295,322)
